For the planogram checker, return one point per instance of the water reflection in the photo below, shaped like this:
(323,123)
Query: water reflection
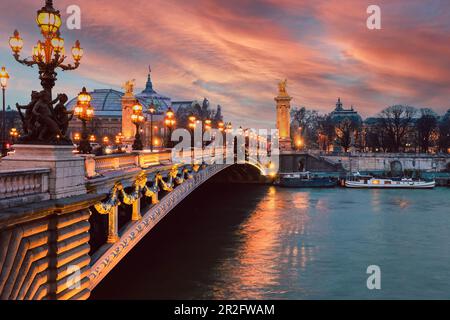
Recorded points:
(253,242)
(267,250)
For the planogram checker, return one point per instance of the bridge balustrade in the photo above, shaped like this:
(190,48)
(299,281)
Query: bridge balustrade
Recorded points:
(21,186)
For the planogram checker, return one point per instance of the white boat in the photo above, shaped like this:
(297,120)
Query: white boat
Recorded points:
(376,183)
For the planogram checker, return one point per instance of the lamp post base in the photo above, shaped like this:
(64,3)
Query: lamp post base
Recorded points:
(85,147)
(137,144)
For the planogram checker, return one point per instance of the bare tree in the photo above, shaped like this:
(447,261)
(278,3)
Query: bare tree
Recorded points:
(201,111)
(426,127)
(305,123)
(326,131)
(347,132)
(397,121)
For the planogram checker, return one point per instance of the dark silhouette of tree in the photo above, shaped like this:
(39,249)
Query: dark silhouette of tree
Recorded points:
(347,131)
(373,139)
(200,111)
(218,117)
(326,131)
(426,127)
(396,121)
(305,124)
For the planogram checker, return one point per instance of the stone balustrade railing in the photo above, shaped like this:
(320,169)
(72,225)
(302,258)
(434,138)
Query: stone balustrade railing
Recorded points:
(21,186)
(101,165)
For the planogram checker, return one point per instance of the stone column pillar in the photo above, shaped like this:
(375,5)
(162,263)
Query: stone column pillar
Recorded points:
(283,101)
(128,101)
(136,210)
(113,225)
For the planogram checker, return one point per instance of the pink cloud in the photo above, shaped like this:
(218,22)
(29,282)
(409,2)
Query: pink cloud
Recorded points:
(234,52)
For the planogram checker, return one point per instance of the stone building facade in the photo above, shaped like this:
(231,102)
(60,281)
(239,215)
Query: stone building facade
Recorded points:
(112,111)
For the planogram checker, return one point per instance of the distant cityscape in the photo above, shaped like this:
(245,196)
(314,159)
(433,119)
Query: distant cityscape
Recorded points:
(398,128)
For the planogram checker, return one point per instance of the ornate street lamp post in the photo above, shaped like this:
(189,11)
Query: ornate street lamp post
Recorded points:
(208,124)
(221,125)
(13,134)
(137,118)
(84,112)
(118,139)
(48,56)
(4,76)
(152,110)
(207,127)
(192,120)
(170,122)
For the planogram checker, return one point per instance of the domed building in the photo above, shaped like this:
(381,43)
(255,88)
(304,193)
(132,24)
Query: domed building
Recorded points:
(339,113)
(108,108)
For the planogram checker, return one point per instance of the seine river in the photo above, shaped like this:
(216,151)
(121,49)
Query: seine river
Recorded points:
(263,242)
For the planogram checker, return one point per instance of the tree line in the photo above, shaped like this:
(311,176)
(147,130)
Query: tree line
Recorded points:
(398,128)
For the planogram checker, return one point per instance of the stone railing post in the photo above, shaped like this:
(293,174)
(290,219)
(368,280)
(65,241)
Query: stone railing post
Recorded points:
(89,164)
(136,210)
(116,163)
(113,225)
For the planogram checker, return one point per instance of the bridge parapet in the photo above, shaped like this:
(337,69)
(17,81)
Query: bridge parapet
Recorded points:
(22,186)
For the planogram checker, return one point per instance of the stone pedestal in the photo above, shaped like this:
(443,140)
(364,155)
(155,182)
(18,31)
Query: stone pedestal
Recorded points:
(128,128)
(283,101)
(67,170)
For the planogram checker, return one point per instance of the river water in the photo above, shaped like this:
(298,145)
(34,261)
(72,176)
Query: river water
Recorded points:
(262,242)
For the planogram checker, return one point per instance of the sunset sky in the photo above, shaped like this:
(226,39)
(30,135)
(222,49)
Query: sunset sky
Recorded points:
(234,52)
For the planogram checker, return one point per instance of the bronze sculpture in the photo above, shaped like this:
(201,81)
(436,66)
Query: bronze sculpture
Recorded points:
(42,123)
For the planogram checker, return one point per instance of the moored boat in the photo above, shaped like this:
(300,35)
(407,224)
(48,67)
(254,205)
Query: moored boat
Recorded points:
(365,182)
(305,180)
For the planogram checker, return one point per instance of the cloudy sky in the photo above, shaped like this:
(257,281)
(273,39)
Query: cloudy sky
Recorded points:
(234,52)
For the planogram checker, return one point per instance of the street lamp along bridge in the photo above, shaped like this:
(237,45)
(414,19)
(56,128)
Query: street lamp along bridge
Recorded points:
(42,123)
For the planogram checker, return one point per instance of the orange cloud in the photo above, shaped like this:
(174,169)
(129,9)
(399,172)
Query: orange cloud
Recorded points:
(234,52)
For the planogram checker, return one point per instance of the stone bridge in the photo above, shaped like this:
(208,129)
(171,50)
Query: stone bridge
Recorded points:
(66,220)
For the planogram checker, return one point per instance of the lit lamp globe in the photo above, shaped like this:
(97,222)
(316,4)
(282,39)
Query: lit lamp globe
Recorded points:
(16,42)
(152,108)
(77,52)
(137,108)
(84,98)
(49,20)
(170,114)
(208,124)
(58,43)
(4,76)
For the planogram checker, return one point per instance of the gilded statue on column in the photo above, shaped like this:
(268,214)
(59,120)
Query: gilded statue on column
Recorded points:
(282,88)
